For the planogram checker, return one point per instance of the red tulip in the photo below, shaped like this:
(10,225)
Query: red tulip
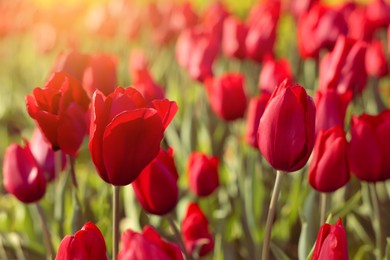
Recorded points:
(100,74)
(147,245)
(344,68)
(369,153)
(72,62)
(319,28)
(45,156)
(227,96)
(331,108)
(138,66)
(202,172)
(329,168)
(273,73)
(378,13)
(331,243)
(376,64)
(195,231)
(125,133)
(299,7)
(214,17)
(22,176)
(261,36)
(233,39)
(286,129)
(255,112)
(88,243)
(59,109)
(156,187)
(359,27)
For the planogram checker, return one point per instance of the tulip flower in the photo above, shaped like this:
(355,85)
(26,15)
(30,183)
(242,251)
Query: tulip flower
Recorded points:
(22,176)
(227,96)
(331,108)
(59,109)
(359,27)
(331,243)
(319,29)
(138,66)
(195,231)
(255,112)
(156,187)
(286,129)
(125,133)
(45,156)
(100,74)
(233,39)
(87,243)
(369,154)
(344,68)
(376,64)
(73,63)
(274,72)
(147,245)
(261,36)
(214,17)
(202,172)
(378,13)
(297,8)
(329,168)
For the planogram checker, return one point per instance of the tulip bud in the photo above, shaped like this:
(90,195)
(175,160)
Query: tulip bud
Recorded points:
(331,243)
(369,154)
(255,112)
(87,243)
(329,168)
(378,13)
(202,172)
(273,73)
(376,64)
(234,34)
(195,231)
(227,96)
(22,176)
(286,130)
(73,63)
(147,245)
(156,187)
(126,132)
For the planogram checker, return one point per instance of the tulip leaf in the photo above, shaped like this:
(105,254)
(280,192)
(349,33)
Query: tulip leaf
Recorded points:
(278,253)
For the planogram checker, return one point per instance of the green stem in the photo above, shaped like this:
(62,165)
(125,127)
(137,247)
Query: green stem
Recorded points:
(178,237)
(72,161)
(323,203)
(376,221)
(271,214)
(46,233)
(115,225)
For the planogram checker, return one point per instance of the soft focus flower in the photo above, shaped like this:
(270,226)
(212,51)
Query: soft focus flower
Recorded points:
(72,62)
(378,13)
(138,66)
(255,111)
(376,64)
(59,109)
(329,168)
(359,27)
(233,39)
(297,8)
(286,130)
(100,73)
(125,133)
(45,156)
(274,72)
(262,21)
(147,245)
(195,231)
(227,96)
(344,69)
(319,28)
(369,153)
(202,172)
(88,243)
(156,187)
(331,243)
(22,177)
(214,17)
(331,108)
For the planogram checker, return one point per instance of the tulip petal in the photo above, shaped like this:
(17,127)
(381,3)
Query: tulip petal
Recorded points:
(167,110)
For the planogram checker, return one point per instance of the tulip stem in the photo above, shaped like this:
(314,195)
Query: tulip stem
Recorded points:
(376,220)
(115,225)
(323,203)
(271,214)
(46,233)
(72,161)
(178,237)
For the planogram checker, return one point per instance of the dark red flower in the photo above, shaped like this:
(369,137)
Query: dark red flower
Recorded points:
(156,187)
(125,133)
(274,72)
(87,244)
(378,13)
(376,63)
(59,109)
